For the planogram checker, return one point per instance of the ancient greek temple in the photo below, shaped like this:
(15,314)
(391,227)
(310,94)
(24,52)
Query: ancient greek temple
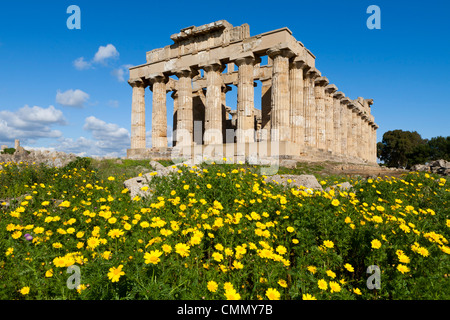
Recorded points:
(302,115)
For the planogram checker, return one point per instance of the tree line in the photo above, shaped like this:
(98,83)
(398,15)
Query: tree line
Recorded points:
(403,149)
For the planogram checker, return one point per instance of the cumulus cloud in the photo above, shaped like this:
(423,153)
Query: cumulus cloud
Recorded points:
(30,124)
(105,52)
(121,72)
(72,98)
(81,64)
(108,140)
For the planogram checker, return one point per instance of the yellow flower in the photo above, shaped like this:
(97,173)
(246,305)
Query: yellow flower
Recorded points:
(115,233)
(357,291)
(328,244)
(166,248)
(402,268)
(273,294)
(45,203)
(217,256)
(59,262)
(9,251)
(331,274)
(106,255)
(322,284)
(114,274)
(237,265)
(182,249)
(93,242)
(308,297)
(57,245)
(312,269)
(49,273)
(334,286)
(290,229)
(335,202)
(282,283)
(25,290)
(152,257)
(232,295)
(380,208)
(111,178)
(65,204)
(212,286)
(376,244)
(349,267)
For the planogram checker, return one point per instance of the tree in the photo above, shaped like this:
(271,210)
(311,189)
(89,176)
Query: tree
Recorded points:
(398,146)
(439,148)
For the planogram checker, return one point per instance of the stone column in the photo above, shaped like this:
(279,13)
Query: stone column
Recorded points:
(339,123)
(366,138)
(374,142)
(353,152)
(280,94)
(266,106)
(347,129)
(359,136)
(213,107)
(329,118)
(225,113)
(310,106)
(138,114)
(185,119)
(319,91)
(174,96)
(296,84)
(245,96)
(159,111)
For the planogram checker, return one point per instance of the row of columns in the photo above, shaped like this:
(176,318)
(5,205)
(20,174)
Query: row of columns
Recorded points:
(297,105)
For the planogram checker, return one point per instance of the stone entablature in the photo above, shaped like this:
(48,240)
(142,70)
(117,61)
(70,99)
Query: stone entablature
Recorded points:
(300,110)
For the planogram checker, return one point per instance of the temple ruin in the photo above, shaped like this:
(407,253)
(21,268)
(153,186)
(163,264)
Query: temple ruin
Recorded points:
(302,115)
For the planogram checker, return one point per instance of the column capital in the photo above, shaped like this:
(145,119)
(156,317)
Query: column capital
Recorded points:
(331,88)
(338,95)
(185,72)
(137,82)
(244,58)
(212,65)
(156,77)
(321,81)
(313,73)
(346,100)
(282,50)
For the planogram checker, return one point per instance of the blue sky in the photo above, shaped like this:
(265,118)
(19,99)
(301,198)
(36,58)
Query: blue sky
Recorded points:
(66,89)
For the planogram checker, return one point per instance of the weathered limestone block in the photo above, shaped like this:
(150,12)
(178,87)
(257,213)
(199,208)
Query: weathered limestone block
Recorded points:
(138,114)
(329,118)
(310,107)
(245,96)
(280,94)
(159,111)
(319,91)
(185,119)
(307,181)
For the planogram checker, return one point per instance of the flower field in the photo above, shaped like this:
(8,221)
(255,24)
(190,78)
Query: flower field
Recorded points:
(220,232)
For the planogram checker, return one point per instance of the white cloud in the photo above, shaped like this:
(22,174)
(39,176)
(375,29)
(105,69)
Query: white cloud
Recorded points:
(30,124)
(108,140)
(81,64)
(113,103)
(105,52)
(72,98)
(121,72)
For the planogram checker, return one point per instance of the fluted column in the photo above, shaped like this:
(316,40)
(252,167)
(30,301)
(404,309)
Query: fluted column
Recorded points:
(319,90)
(310,106)
(245,96)
(174,96)
(297,105)
(185,119)
(339,123)
(213,108)
(359,134)
(159,111)
(138,114)
(280,94)
(266,107)
(347,120)
(224,90)
(366,138)
(354,130)
(329,118)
